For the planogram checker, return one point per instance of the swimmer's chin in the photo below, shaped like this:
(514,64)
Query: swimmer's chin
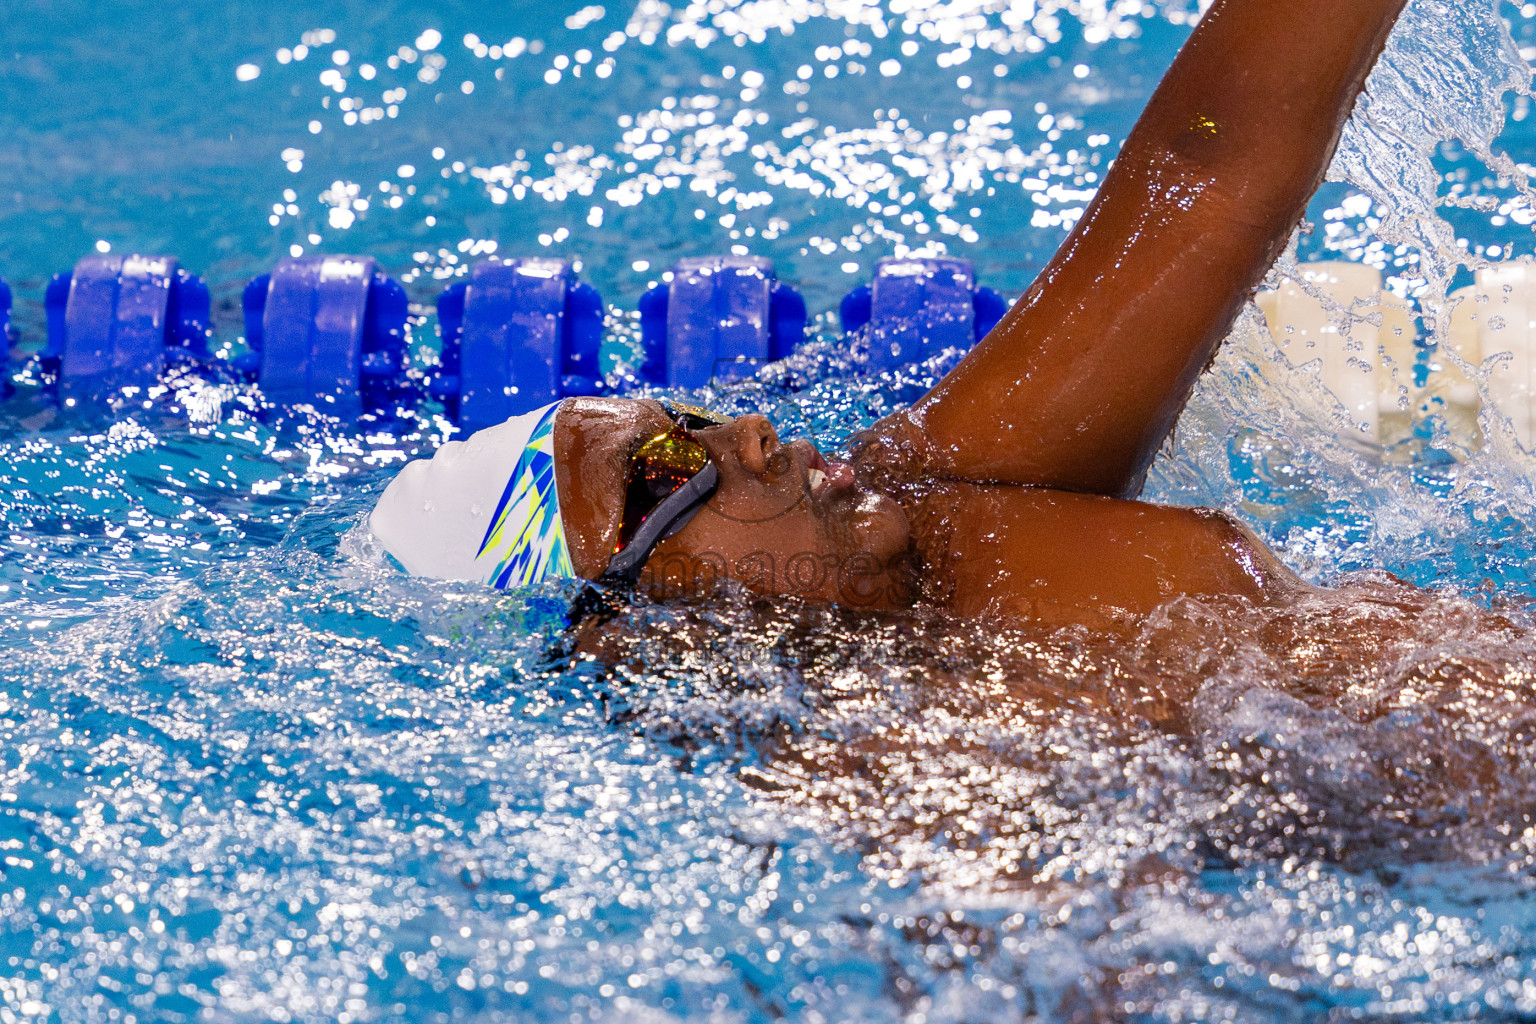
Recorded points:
(875,523)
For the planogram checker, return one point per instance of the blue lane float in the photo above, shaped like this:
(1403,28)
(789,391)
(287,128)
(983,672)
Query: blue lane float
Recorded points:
(330,331)
(326,331)
(115,322)
(914,309)
(719,319)
(520,333)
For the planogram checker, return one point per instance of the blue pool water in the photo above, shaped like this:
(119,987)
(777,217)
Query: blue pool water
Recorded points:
(249,772)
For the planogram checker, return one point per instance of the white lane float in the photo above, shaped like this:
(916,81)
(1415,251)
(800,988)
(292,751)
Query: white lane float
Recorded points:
(1493,327)
(1339,323)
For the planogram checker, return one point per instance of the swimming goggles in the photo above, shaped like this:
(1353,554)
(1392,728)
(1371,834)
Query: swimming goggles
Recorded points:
(670,478)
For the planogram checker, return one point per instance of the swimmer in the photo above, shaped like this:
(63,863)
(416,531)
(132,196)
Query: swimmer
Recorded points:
(1009,490)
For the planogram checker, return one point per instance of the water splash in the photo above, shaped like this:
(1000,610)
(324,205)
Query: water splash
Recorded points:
(272,778)
(1263,439)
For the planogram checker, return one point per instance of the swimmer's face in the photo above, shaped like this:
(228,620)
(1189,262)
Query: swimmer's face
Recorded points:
(783,520)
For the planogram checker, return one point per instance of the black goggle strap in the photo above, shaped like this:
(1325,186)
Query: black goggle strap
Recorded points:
(670,515)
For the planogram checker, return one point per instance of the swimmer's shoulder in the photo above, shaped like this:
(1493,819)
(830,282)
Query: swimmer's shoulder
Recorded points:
(1059,557)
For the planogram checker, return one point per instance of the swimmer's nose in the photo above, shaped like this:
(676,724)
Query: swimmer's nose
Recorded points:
(754,441)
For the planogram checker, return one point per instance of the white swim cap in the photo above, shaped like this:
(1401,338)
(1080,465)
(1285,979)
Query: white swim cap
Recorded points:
(484,509)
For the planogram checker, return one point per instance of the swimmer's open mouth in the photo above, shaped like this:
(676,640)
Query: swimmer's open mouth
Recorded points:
(822,476)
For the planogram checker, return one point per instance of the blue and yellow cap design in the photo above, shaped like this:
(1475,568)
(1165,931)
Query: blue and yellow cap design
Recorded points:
(525,541)
(485,509)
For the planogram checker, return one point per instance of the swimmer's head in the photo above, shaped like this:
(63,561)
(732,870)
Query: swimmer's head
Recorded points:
(780,519)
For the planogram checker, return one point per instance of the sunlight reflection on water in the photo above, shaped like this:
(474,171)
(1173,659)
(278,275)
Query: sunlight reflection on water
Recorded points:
(251,772)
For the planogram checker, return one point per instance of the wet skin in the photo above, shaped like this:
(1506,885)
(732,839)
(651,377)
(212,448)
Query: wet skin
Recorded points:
(1009,486)
(1080,383)
(975,550)
(1003,491)
(782,519)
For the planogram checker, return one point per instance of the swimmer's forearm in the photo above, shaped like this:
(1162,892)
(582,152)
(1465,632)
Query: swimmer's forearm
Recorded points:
(1083,379)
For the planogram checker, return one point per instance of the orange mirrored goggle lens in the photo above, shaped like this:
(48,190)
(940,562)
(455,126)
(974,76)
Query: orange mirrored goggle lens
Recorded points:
(659,467)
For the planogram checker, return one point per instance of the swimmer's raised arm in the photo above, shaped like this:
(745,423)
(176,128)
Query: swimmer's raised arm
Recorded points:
(1080,383)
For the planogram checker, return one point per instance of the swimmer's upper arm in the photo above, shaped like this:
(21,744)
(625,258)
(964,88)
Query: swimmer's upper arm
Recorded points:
(1079,384)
